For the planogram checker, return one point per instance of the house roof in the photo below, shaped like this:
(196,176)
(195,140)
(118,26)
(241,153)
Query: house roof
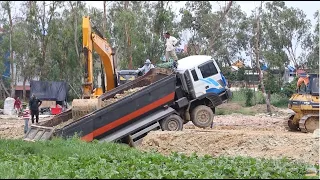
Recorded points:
(238,63)
(20,88)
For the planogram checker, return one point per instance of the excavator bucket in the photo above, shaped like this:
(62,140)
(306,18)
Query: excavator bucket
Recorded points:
(81,107)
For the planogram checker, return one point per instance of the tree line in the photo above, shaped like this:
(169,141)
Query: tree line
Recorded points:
(45,37)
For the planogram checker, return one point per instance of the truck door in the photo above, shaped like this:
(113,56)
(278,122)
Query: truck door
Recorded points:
(211,78)
(199,86)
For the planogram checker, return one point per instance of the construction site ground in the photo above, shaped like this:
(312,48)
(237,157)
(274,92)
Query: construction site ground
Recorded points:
(258,135)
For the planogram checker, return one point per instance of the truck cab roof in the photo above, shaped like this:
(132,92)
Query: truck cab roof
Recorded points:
(191,62)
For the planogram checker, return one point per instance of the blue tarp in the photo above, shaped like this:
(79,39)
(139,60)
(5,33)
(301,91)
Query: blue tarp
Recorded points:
(49,90)
(291,69)
(264,67)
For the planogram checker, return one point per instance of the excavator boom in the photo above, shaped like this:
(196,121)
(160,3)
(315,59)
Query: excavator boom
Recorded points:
(94,41)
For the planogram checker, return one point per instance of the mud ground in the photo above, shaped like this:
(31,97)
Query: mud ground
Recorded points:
(260,136)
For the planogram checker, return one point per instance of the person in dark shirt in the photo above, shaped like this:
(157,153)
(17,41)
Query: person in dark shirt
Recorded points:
(34,104)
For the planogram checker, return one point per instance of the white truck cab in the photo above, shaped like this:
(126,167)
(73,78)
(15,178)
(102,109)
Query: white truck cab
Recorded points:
(205,75)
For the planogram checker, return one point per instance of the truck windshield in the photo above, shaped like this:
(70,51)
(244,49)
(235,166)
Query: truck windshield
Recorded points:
(315,86)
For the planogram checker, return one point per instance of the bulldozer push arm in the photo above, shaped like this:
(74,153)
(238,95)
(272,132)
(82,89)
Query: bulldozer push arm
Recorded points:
(95,41)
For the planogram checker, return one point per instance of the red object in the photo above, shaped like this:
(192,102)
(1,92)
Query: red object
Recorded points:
(17,103)
(56,110)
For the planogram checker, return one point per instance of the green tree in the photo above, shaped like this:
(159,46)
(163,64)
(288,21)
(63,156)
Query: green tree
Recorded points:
(284,29)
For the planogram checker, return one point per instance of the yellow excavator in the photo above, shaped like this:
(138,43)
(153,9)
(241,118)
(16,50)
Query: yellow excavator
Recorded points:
(305,104)
(94,40)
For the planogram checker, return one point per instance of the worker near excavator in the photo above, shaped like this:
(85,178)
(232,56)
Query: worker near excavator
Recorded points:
(146,68)
(34,104)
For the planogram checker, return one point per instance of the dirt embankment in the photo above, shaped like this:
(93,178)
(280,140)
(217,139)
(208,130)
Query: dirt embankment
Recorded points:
(238,135)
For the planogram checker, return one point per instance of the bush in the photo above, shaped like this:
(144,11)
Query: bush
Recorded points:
(249,96)
(1,104)
(279,100)
(290,88)
(239,96)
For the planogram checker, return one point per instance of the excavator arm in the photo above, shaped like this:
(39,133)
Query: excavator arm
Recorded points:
(90,97)
(92,41)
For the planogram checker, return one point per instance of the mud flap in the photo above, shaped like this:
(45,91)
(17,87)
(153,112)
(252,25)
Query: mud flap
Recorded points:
(38,133)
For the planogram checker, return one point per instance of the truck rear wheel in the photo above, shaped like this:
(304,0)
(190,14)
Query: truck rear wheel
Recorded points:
(202,116)
(172,123)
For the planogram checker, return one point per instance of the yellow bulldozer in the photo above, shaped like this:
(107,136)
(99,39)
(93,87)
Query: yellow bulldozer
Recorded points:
(305,104)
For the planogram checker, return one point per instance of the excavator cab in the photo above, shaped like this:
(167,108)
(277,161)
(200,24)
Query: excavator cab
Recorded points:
(305,104)
(125,76)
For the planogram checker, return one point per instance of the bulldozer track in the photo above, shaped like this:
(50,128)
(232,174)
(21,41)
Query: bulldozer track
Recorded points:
(288,124)
(304,120)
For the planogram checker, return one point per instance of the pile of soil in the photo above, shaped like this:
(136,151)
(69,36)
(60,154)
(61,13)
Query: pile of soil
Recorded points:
(59,126)
(117,97)
(11,129)
(237,135)
(262,108)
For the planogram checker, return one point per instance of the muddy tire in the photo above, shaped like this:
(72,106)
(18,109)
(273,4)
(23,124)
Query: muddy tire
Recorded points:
(172,123)
(202,116)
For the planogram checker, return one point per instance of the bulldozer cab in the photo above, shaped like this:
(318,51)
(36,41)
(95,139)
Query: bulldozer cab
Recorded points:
(308,84)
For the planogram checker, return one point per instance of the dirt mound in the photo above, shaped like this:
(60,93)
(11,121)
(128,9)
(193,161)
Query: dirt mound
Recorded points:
(262,108)
(267,144)
(236,134)
(230,106)
(12,129)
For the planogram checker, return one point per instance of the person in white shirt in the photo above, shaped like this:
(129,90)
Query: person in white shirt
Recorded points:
(147,66)
(170,47)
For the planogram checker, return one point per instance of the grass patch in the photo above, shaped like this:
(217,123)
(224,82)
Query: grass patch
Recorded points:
(73,158)
(244,111)
(277,100)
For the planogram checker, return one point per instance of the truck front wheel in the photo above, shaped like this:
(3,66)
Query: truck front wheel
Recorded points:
(202,116)
(172,123)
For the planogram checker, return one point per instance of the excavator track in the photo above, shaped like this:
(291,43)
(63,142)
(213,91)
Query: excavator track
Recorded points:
(309,123)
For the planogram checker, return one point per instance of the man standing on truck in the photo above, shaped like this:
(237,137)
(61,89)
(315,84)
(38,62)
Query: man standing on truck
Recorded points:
(170,47)
(146,68)
(34,104)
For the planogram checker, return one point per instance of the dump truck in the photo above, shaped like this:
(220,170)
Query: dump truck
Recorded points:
(167,101)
